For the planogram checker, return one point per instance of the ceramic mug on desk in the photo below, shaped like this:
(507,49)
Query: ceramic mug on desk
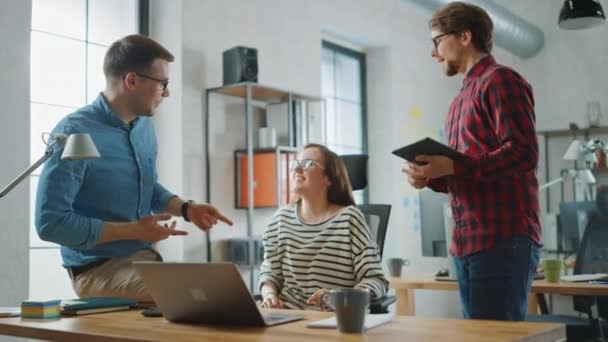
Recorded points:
(395,265)
(351,306)
(553,269)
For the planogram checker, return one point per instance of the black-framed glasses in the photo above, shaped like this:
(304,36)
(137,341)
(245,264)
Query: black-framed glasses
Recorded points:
(304,164)
(164,83)
(435,40)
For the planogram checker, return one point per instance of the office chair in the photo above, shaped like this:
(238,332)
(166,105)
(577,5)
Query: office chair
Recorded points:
(376,215)
(592,257)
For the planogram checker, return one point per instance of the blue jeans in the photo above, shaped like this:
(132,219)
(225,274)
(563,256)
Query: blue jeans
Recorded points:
(494,283)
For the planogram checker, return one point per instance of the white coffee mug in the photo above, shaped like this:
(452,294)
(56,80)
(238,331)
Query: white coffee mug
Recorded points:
(267,137)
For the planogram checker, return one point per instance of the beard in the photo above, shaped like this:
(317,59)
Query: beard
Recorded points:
(451,68)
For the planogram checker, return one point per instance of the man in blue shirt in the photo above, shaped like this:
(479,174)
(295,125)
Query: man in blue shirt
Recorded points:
(106,212)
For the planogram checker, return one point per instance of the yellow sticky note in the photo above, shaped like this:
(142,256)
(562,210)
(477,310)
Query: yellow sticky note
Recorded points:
(415,113)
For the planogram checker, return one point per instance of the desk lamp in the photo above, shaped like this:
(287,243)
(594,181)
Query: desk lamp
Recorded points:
(77,146)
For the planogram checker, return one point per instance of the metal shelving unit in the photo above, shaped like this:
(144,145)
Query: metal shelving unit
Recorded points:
(251,92)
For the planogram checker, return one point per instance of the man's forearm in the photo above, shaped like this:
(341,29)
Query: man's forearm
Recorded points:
(114,231)
(174,206)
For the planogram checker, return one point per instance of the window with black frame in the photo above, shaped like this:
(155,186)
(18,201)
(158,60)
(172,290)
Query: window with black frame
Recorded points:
(69,39)
(343,87)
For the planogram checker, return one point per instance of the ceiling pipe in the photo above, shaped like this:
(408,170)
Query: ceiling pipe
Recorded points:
(511,32)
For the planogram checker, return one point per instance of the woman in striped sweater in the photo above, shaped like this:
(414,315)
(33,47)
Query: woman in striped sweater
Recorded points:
(320,241)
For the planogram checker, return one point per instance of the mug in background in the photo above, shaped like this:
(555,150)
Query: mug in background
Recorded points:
(553,269)
(350,306)
(395,265)
(267,137)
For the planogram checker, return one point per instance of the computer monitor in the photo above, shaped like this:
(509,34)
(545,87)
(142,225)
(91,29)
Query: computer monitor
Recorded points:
(432,227)
(573,218)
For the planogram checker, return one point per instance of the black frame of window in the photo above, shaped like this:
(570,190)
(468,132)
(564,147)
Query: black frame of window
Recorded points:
(143,16)
(360,57)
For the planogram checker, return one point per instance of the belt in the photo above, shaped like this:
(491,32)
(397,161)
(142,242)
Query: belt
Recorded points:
(75,271)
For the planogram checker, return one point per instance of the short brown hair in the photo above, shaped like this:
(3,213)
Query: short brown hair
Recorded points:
(340,191)
(459,16)
(133,53)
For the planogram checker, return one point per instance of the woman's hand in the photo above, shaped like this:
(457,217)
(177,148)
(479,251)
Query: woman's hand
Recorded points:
(320,299)
(272,301)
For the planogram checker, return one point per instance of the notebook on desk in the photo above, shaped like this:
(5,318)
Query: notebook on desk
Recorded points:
(585,277)
(84,306)
(371,321)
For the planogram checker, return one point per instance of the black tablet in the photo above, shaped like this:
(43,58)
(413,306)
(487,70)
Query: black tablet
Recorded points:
(426,146)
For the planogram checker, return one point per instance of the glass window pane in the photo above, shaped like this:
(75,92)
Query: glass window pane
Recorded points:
(327,72)
(96,81)
(359,196)
(61,17)
(348,78)
(57,70)
(110,20)
(344,149)
(48,279)
(44,119)
(330,121)
(348,128)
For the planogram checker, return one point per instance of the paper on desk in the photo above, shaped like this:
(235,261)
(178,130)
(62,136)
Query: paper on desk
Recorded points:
(11,311)
(585,277)
(371,321)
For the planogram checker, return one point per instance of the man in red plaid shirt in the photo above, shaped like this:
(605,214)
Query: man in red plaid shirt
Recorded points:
(493,189)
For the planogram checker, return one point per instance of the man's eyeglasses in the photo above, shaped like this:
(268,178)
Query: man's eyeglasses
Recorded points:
(436,40)
(304,164)
(164,83)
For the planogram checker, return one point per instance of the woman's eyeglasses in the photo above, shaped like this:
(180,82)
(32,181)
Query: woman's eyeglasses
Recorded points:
(304,164)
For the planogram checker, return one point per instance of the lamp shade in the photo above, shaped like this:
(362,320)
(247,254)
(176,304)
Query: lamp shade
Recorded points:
(580,14)
(575,151)
(79,146)
(586,176)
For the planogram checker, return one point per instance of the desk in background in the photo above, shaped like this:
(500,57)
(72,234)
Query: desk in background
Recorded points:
(406,285)
(131,325)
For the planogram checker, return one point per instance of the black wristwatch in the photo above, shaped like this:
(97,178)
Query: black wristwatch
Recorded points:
(185,210)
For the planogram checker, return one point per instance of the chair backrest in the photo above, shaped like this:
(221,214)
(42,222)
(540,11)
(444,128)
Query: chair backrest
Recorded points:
(592,257)
(356,166)
(376,215)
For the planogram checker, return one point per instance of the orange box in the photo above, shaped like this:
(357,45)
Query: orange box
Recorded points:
(264,179)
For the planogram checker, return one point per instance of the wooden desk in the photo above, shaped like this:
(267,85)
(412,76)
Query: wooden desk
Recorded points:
(131,326)
(406,286)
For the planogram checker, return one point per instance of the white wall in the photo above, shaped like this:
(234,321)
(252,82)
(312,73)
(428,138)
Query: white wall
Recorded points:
(15,152)
(407,93)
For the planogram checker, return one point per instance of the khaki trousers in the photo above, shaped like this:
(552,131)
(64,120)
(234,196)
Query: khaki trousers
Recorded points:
(116,278)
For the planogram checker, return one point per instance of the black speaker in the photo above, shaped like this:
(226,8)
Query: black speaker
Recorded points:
(240,65)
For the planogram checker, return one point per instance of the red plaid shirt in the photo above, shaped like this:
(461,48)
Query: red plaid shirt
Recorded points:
(494,190)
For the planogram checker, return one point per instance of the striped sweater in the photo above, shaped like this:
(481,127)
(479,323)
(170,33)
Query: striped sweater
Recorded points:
(301,258)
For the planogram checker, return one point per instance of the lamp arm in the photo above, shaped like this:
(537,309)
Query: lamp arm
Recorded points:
(551,183)
(47,154)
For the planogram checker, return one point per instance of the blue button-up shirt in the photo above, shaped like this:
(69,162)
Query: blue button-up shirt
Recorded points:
(75,197)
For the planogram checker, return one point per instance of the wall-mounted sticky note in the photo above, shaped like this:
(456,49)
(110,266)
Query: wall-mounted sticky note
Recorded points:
(416,227)
(415,113)
(406,202)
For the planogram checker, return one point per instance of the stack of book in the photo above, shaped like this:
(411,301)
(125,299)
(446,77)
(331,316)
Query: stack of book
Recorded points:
(40,309)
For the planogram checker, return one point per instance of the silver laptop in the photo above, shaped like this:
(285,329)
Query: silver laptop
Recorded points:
(204,293)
